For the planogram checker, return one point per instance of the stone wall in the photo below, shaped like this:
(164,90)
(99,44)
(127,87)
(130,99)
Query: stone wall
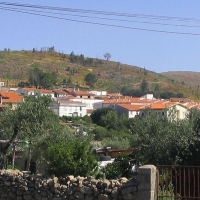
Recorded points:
(16,185)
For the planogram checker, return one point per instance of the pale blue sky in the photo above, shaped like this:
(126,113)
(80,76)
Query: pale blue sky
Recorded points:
(157,52)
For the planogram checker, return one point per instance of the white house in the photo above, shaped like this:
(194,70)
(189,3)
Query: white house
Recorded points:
(89,102)
(161,108)
(59,93)
(148,96)
(98,93)
(26,91)
(45,92)
(69,108)
(173,109)
(111,103)
(129,110)
(81,94)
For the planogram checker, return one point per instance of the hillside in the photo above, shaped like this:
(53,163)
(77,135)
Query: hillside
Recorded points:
(191,79)
(111,76)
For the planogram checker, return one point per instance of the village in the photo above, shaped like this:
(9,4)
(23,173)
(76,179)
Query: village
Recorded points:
(73,102)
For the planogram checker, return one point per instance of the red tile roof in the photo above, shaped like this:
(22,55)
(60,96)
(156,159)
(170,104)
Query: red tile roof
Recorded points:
(130,101)
(10,97)
(30,89)
(161,106)
(44,91)
(131,107)
(81,93)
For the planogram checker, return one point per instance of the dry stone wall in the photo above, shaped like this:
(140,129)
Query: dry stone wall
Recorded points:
(16,185)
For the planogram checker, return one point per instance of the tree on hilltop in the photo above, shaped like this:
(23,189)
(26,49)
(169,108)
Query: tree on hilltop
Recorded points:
(107,56)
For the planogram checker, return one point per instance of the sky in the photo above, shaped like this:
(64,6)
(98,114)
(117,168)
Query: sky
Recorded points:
(138,36)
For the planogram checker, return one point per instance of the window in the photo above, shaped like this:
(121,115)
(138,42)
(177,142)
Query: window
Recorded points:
(80,108)
(75,114)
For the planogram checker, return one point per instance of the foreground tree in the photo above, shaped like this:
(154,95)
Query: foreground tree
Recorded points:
(159,140)
(35,123)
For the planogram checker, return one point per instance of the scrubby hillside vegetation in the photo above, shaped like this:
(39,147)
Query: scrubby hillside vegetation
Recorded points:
(191,79)
(49,69)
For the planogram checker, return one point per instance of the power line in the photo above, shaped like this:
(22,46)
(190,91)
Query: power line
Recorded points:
(103,12)
(104,18)
(102,24)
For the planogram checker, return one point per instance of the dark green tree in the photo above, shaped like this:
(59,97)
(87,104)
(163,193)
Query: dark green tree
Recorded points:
(72,57)
(97,114)
(48,80)
(35,76)
(144,86)
(90,80)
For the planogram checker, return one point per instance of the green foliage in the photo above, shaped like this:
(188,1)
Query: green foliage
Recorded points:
(33,121)
(23,84)
(162,141)
(121,167)
(40,79)
(109,120)
(90,80)
(144,86)
(116,142)
(167,193)
(48,80)
(112,130)
(97,114)
(128,91)
(168,95)
(75,158)
(100,133)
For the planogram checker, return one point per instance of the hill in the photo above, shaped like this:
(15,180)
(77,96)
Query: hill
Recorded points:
(191,79)
(72,69)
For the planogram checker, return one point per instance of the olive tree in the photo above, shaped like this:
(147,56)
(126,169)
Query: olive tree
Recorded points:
(159,140)
(34,122)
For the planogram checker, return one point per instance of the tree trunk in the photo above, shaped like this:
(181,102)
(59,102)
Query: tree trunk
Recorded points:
(6,147)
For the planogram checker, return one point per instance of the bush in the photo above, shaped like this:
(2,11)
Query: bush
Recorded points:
(116,142)
(76,158)
(100,133)
(121,167)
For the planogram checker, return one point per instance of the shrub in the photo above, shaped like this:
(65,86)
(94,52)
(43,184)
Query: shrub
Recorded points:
(75,158)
